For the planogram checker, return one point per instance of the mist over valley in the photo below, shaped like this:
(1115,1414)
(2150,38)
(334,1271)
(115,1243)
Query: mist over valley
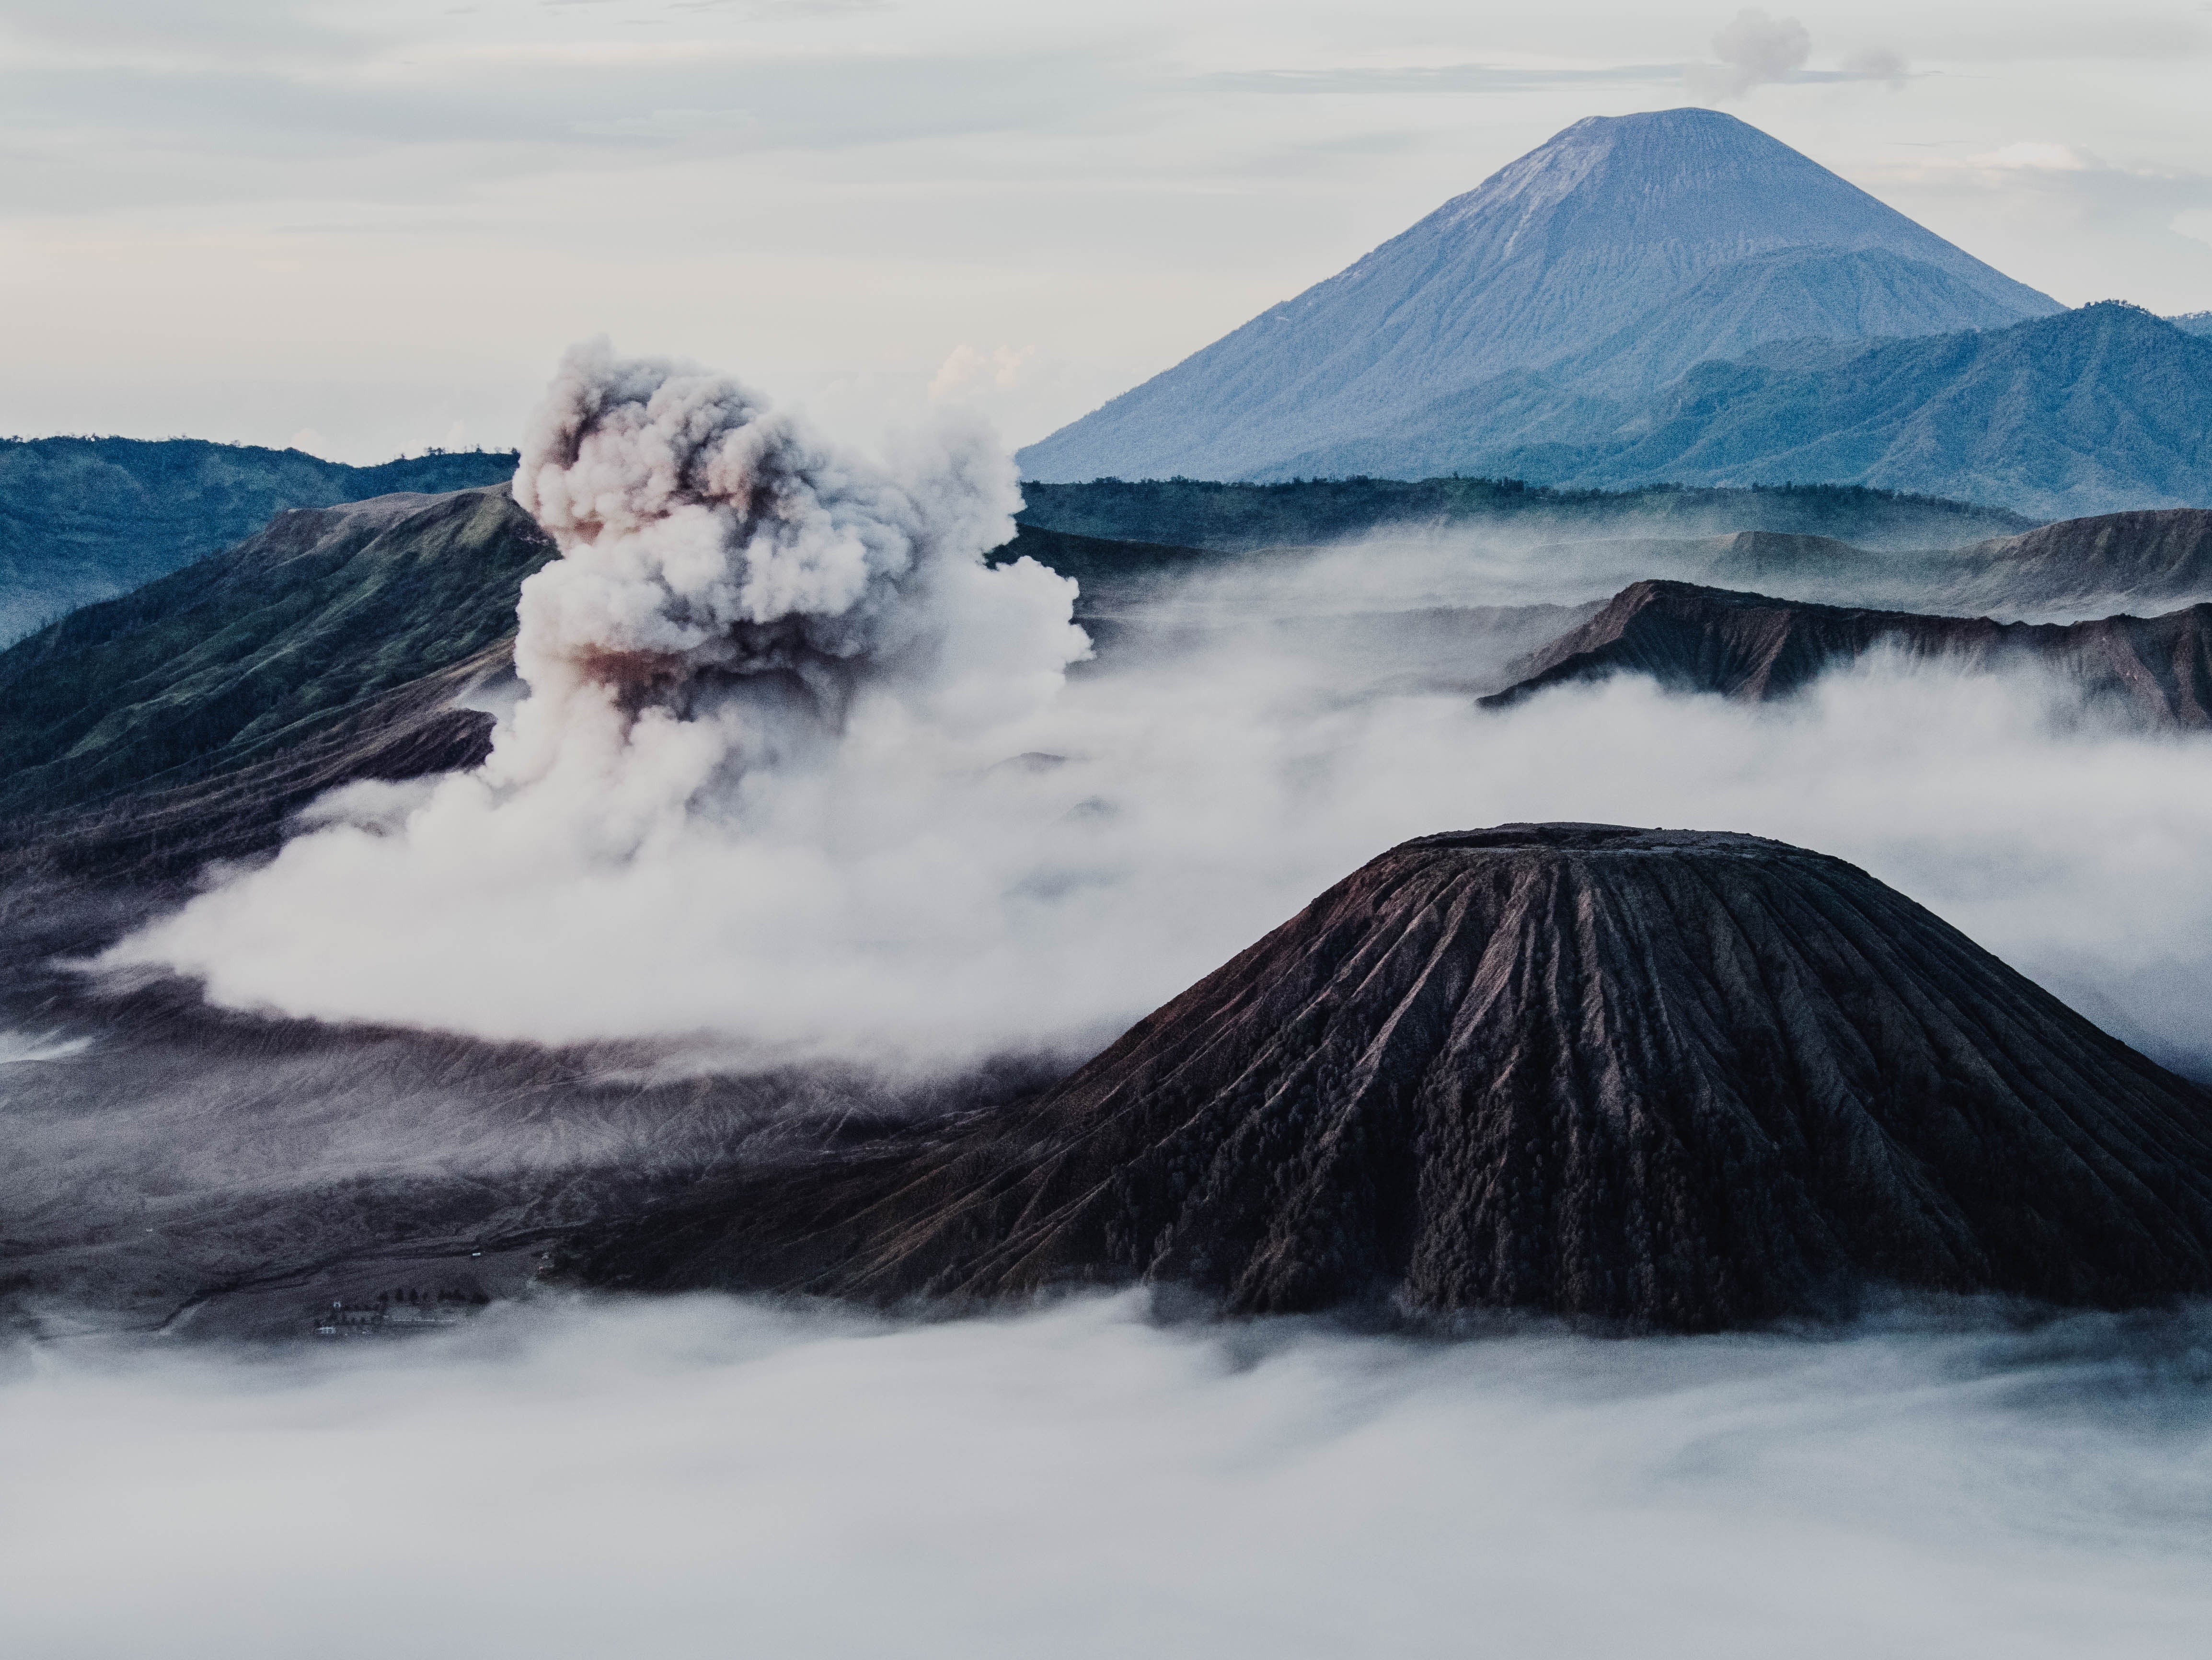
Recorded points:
(1548,910)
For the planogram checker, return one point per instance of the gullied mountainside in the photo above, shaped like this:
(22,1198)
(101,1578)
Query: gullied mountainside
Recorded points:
(329,646)
(1752,648)
(2111,561)
(1242,518)
(1680,1079)
(2127,558)
(2095,410)
(1607,260)
(81,519)
(1795,295)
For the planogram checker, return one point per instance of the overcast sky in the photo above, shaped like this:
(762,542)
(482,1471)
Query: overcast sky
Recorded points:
(373,226)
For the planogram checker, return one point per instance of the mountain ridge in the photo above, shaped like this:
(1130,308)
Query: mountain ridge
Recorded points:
(222,664)
(2100,409)
(1753,648)
(1555,254)
(1246,516)
(82,520)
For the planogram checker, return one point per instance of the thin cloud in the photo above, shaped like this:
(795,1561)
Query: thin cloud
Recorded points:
(1752,49)
(1450,78)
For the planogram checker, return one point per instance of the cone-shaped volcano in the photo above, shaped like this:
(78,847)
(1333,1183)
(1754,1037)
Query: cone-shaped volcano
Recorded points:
(1613,256)
(1681,1079)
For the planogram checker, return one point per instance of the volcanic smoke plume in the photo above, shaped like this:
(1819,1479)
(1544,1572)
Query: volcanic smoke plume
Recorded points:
(731,585)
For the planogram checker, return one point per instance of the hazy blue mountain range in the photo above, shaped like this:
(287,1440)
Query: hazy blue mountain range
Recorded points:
(2089,412)
(81,519)
(1241,518)
(1605,263)
(2193,322)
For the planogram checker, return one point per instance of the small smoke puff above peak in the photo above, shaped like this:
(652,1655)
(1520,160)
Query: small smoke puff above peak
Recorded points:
(1877,64)
(1753,49)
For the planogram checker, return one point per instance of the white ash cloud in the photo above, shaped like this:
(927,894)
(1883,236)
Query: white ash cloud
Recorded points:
(733,588)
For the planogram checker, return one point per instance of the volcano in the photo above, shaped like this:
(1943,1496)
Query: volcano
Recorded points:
(1604,262)
(1674,1079)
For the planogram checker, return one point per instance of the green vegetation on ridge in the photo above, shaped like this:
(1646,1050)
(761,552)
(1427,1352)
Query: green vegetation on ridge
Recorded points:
(83,519)
(225,662)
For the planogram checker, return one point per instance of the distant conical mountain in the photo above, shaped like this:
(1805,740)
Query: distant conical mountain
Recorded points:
(1611,258)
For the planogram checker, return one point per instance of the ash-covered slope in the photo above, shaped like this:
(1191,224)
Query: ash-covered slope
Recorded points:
(1615,254)
(1681,1080)
(2131,557)
(1751,648)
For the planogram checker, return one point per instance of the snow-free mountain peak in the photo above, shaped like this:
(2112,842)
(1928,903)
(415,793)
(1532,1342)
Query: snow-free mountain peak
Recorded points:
(1555,264)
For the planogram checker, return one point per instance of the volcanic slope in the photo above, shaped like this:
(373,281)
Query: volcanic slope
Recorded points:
(1671,1078)
(187,720)
(1753,648)
(1606,261)
(2077,563)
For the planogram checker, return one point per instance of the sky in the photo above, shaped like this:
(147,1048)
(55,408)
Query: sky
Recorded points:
(368,229)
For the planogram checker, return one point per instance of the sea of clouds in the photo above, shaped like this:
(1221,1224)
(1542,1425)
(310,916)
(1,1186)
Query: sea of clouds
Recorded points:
(704,1476)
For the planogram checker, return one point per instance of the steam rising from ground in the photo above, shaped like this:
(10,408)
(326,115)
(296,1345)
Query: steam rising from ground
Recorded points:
(798,773)
(708,1477)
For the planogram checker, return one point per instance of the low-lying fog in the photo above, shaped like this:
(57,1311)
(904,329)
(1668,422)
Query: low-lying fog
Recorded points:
(709,1477)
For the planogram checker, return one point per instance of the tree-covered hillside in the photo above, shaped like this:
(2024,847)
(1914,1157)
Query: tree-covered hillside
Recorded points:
(83,519)
(1236,518)
(239,657)
(2100,410)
